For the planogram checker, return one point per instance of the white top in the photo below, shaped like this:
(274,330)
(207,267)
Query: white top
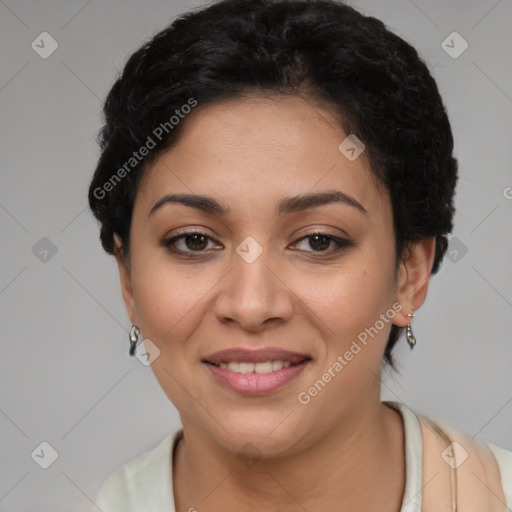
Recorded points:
(145,482)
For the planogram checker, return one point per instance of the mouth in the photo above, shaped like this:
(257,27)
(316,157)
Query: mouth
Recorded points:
(256,372)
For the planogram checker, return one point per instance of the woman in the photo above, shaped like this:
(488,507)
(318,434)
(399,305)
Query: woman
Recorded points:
(276,184)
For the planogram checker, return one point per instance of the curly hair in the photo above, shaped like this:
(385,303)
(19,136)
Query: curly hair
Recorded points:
(376,82)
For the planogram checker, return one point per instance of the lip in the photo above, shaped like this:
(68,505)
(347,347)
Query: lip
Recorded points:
(255,356)
(256,384)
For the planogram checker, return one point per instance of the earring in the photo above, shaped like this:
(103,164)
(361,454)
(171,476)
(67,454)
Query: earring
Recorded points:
(134,337)
(408,332)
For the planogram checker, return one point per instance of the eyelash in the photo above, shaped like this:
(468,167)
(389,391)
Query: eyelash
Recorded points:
(341,243)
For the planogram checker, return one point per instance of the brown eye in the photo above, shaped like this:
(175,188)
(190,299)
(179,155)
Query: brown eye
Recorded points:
(191,241)
(320,242)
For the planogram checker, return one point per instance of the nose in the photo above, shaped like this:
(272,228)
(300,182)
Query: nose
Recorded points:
(254,294)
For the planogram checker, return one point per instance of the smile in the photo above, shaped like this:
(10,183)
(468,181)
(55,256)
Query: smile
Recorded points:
(254,379)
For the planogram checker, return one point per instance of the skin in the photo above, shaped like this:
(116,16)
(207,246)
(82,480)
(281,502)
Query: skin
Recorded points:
(248,154)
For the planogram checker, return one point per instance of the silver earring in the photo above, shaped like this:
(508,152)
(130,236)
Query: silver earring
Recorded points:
(134,337)
(408,332)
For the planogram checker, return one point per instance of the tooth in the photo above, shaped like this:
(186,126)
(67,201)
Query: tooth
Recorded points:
(277,365)
(246,367)
(261,367)
(265,367)
(234,366)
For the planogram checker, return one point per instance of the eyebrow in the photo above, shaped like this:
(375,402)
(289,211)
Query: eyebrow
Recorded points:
(286,206)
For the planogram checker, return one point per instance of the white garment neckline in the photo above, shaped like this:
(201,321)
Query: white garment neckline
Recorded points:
(411,502)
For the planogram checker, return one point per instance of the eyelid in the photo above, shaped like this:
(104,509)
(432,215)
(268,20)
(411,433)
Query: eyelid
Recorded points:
(167,241)
(340,243)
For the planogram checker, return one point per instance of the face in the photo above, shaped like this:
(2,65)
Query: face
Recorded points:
(314,278)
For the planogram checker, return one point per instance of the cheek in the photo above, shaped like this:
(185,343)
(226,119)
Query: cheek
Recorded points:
(350,306)
(355,336)
(174,305)
(352,293)
(166,296)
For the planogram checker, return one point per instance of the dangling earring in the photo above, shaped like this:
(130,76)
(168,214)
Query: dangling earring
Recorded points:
(134,337)
(408,332)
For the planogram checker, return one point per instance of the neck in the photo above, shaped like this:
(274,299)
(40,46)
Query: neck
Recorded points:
(365,451)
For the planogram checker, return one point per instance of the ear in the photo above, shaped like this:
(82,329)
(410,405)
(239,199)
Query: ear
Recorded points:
(126,281)
(413,277)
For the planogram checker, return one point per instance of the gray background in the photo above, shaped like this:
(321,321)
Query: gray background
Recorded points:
(66,375)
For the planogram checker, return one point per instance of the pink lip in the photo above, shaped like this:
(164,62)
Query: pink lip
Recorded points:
(255,356)
(254,384)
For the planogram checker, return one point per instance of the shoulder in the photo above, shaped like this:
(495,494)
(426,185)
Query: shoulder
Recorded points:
(145,479)
(480,471)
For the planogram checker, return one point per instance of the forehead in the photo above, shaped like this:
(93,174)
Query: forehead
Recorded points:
(249,153)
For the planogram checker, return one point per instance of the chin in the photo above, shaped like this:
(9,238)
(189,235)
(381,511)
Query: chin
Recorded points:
(267,439)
